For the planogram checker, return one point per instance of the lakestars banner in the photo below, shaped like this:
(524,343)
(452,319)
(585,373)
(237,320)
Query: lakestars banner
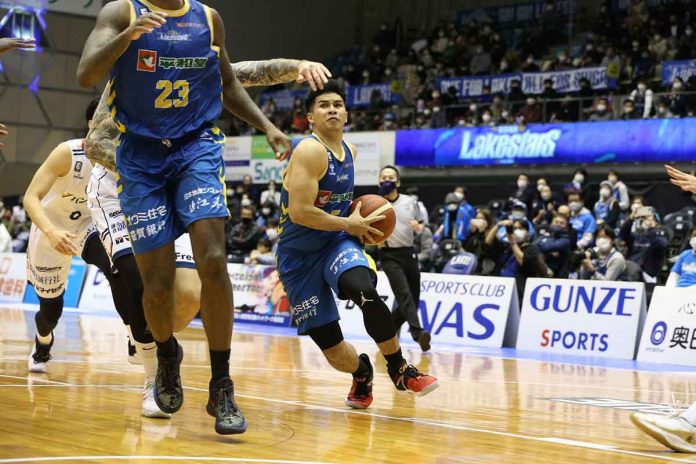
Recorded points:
(672,69)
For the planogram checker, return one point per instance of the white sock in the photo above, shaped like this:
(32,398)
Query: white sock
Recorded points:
(148,354)
(690,414)
(44,340)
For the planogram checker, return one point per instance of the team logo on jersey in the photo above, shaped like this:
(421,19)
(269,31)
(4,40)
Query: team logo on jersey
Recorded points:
(173,36)
(147,61)
(143,11)
(78,166)
(193,62)
(323,198)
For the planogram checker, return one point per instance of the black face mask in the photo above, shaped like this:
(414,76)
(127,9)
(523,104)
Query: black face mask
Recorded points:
(246,221)
(386,187)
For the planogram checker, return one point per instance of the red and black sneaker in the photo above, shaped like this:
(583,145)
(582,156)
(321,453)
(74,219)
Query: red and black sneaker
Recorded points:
(360,395)
(409,379)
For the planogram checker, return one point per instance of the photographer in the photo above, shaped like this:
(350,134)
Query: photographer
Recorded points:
(605,262)
(646,242)
(557,247)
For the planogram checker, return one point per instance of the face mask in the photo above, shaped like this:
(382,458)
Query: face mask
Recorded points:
(579,178)
(604,244)
(601,108)
(459,195)
(266,211)
(604,194)
(246,202)
(575,206)
(522,184)
(642,87)
(504,114)
(546,196)
(246,220)
(518,215)
(486,117)
(386,187)
(613,180)
(677,85)
(692,242)
(271,187)
(530,101)
(479,224)
(520,235)
(472,107)
(634,207)
(272,234)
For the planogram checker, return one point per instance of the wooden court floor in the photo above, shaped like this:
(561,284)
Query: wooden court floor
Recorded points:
(488,409)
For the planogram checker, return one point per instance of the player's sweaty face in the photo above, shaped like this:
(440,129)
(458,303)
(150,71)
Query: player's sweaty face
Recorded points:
(329,110)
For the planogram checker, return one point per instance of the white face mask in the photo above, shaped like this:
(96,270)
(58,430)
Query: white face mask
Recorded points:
(604,194)
(522,184)
(518,215)
(641,87)
(486,117)
(546,196)
(539,187)
(613,180)
(692,242)
(575,206)
(601,108)
(272,234)
(604,244)
(479,224)
(246,202)
(579,178)
(520,235)
(459,195)
(266,211)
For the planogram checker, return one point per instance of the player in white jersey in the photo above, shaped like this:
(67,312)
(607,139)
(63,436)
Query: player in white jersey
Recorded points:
(113,226)
(56,201)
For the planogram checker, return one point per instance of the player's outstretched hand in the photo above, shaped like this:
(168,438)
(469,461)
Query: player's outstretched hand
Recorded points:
(361,227)
(145,24)
(63,241)
(11,43)
(3,133)
(281,144)
(313,73)
(685,181)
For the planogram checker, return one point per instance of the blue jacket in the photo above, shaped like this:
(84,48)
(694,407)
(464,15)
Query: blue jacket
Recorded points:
(465,214)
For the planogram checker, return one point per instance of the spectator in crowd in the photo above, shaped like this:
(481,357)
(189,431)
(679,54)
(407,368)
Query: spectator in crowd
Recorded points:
(544,208)
(271,230)
(415,192)
(662,111)
(629,111)
(263,254)
(532,112)
(557,247)
(683,273)
(524,191)
(250,189)
(5,237)
(646,242)
(423,245)
(518,212)
(677,99)
(268,211)
(619,190)
(243,237)
(579,184)
(642,97)
(607,210)
(271,194)
(458,216)
(515,97)
(606,262)
(480,61)
(601,111)
(582,221)
(475,242)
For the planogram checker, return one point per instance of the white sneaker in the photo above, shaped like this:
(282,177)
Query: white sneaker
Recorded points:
(40,356)
(672,431)
(150,408)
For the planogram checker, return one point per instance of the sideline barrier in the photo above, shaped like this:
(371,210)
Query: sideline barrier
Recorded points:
(582,317)
(670,330)
(13,277)
(458,310)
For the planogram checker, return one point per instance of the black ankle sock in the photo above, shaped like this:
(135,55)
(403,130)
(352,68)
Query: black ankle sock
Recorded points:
(167,349)
(363,369)
(394,361)
(220,364)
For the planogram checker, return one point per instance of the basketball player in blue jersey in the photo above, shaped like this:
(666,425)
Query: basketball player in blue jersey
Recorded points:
(170,75)
(319,250)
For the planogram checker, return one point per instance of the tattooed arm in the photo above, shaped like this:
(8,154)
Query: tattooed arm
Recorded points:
(100,143)
(281,71)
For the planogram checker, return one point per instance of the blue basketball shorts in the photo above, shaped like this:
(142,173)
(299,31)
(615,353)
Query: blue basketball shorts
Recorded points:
(165,185)
(309,279)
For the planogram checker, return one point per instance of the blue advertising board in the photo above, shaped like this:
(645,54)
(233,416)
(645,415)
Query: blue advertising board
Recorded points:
(650,140)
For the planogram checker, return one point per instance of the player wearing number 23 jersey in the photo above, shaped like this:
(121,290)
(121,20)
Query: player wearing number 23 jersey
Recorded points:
(169,157)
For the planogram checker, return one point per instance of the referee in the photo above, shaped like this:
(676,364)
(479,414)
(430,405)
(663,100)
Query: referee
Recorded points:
(399,259)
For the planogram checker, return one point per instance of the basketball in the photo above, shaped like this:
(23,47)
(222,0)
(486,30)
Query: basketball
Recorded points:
(374,205)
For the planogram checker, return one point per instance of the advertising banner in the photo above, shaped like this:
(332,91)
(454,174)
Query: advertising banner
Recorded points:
(671,69)
(582,317)
(669,336)
(237,157)
(73,287)
(258,295)
(648,140)
(13,278)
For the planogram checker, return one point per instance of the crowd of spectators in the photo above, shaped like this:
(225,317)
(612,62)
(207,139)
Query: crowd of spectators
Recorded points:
(630,44)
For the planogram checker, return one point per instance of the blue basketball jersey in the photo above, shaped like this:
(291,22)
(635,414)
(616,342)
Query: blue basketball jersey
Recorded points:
(168,83)
(335,196)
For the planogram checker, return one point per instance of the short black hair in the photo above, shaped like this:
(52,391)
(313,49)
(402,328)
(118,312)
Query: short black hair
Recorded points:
(91,109)
(389,166)
(608,231)
(332,86)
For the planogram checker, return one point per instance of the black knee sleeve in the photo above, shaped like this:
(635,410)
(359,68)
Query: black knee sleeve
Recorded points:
(327,336)
(358,284)
(128,272)
(50,310)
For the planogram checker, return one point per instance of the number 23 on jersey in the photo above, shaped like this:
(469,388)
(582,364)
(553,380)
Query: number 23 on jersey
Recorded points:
(173,94)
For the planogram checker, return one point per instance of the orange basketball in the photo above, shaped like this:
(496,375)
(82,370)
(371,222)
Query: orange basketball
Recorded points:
(377,206)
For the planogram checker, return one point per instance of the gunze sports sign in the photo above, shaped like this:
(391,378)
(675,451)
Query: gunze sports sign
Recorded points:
(583,317)
(458,310)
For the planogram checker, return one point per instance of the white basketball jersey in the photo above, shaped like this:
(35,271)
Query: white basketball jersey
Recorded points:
(66,202)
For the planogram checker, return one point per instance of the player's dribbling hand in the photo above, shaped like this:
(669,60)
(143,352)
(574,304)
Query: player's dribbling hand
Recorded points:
(280,143)
(315,74)
(685,181)
(63,242)
(145,24)
(360,227)
(12,43)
